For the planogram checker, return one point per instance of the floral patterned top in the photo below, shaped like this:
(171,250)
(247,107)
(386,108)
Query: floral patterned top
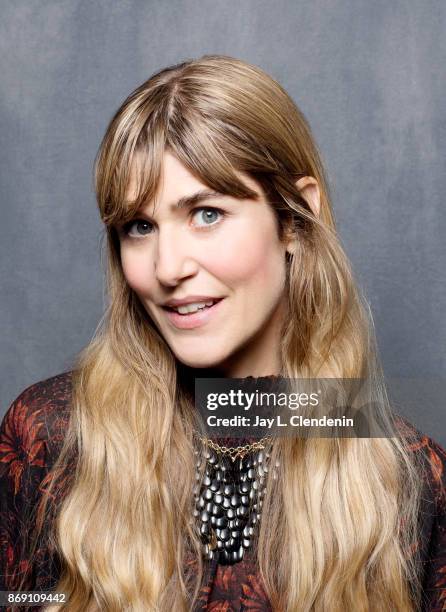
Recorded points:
(31,436)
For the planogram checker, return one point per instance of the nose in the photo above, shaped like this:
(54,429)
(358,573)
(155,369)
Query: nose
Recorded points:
(174,259)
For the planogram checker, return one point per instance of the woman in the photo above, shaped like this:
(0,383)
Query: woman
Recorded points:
(223,261)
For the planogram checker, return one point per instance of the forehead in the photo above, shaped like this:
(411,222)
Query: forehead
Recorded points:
(176,181)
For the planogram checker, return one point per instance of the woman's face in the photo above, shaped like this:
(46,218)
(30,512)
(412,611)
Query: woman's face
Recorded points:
(214,249)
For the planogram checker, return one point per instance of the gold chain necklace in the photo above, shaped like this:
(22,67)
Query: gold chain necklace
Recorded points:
(236,451)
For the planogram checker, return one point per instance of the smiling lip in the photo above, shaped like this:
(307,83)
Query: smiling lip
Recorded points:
(191,299)
(193,319)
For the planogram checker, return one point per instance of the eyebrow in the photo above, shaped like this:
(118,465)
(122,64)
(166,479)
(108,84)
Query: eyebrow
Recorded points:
(196,198)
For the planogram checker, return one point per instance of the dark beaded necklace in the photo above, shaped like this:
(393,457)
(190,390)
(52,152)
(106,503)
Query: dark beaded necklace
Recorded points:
(229,498)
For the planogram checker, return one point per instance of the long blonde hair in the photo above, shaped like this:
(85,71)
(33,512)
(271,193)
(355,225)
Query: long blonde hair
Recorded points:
(342,516)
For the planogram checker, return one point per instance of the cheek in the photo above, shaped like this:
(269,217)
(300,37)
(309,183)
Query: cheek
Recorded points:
(242,262)
(136,272)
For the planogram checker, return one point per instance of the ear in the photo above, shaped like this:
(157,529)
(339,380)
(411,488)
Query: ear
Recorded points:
(309,190)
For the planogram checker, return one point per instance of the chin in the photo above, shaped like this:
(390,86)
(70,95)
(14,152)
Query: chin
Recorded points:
(195,361)
(200,360)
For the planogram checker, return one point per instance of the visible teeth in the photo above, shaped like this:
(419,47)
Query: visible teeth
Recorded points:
(187,308)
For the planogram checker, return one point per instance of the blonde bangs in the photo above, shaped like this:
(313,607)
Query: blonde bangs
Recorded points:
(128,159)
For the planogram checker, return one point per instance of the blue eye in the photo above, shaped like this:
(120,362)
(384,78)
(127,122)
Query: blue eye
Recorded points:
(142,228)
(209,216)
(139,228)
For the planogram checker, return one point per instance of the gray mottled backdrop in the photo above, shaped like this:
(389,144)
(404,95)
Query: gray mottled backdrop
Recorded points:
(369,76)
